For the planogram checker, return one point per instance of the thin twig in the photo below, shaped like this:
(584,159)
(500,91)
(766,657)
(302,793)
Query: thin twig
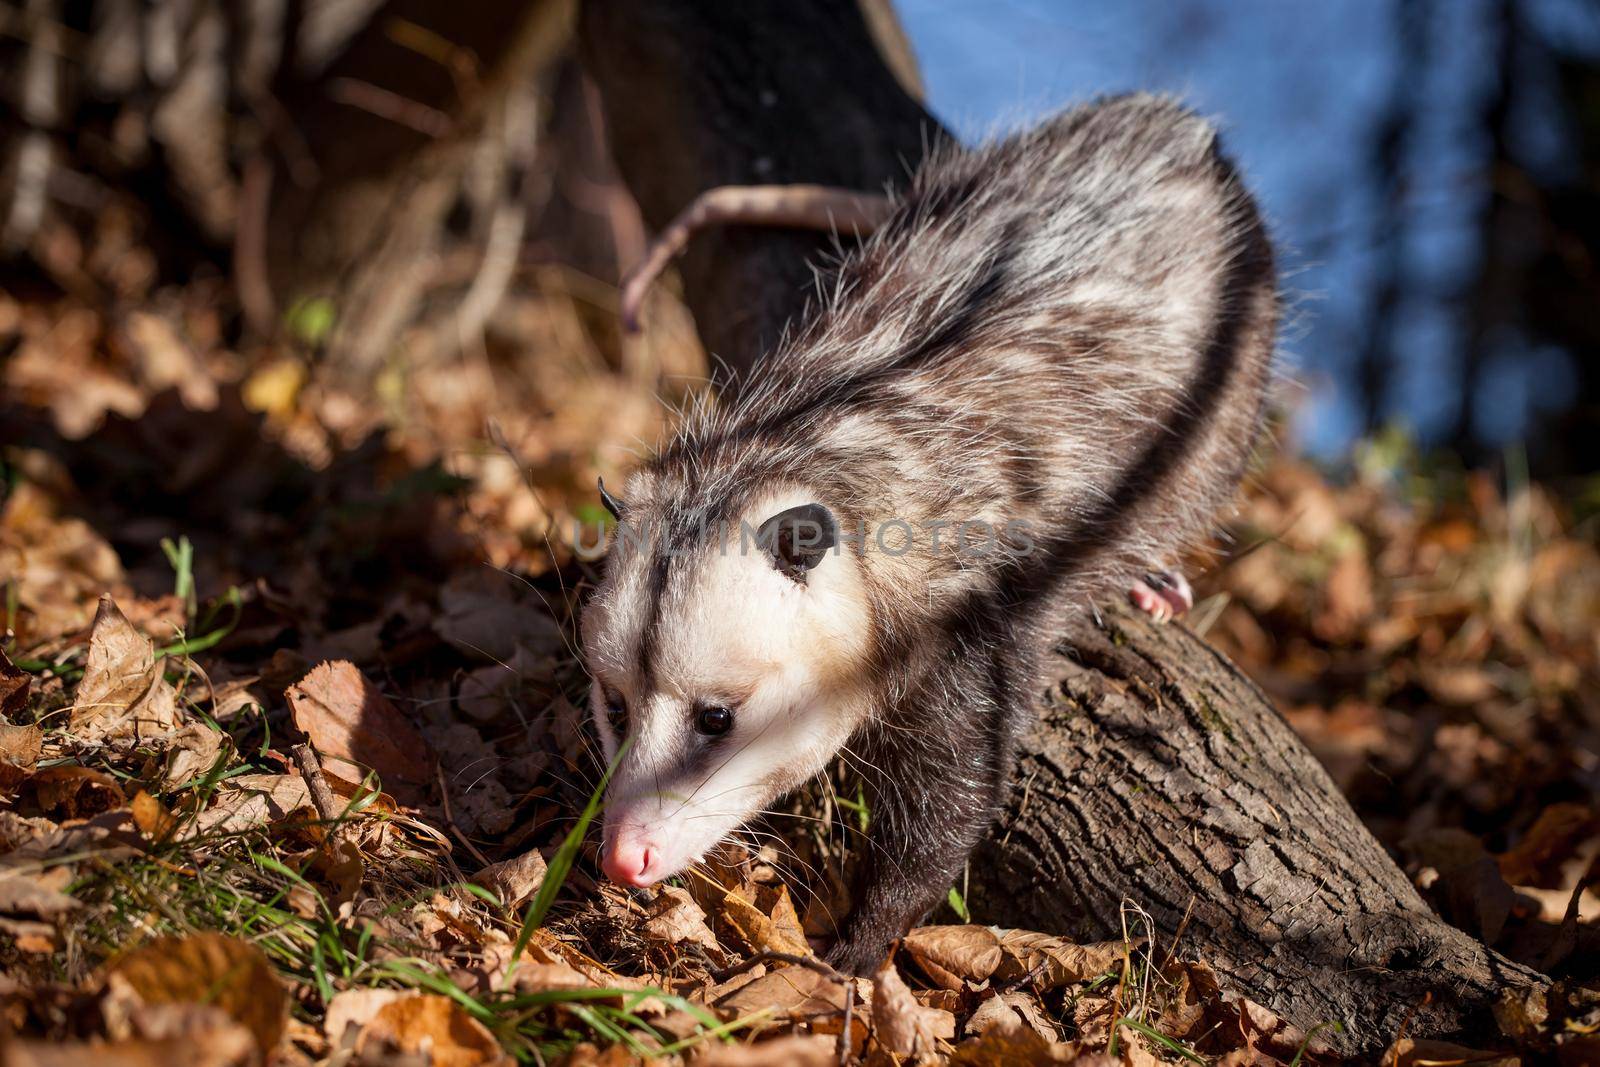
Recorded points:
(250,273)
(449,820)
(846,1044)
(321,796)
(1033,972)
(1172,951)
(402,111)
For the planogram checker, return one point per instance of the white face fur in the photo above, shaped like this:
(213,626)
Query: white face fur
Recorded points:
(734,686)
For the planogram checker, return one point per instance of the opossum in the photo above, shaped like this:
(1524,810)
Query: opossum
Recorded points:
(1038,380)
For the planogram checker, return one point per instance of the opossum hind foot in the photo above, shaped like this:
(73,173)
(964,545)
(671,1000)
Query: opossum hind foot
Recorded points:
(1163,595)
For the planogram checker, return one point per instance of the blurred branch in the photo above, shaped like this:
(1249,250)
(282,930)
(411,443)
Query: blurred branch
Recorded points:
(39,108)
(386,104)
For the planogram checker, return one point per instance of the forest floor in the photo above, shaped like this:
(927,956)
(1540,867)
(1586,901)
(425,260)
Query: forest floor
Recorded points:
(209,556)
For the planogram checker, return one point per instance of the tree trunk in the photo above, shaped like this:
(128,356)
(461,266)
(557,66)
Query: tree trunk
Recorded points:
(756,93)
(1159,775)
(1156,774)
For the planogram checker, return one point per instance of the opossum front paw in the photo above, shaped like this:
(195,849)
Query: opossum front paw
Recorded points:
(858,956)
(1163,595)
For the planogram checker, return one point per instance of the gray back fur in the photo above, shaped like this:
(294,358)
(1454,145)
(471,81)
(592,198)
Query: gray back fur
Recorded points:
(1070,329)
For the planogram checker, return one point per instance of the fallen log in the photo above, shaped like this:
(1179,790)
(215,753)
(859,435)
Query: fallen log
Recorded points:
(1156,774)
(1159,774)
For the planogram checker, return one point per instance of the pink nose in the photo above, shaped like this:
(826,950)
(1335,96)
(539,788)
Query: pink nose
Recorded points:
(628,863)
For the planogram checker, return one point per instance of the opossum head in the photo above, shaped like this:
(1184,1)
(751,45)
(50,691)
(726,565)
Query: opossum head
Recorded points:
(729,665)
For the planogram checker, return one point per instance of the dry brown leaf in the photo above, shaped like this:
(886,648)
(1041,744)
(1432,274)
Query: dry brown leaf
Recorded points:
(19,754)
(951,1000)
(210,969)
(354,1008)
(15,685)
(1347,596)
(1523,1013)
(353,724)
(110,836)
(191,753)
(1023,1048)
(1554,835)
(675,919)
(547,949)
(993,1014)
(796,1050)
(1469,887)
(951,954)
(152,818)
(168,362)
(227,1045)
(233,697)
(1421,1052)
(123,693)
(1461,685)
(1033,1013)
(479,801)
(776,902)
(485,616)
(21,745)
(30,935)
(758,930)
(1009,1012)
(55,566)
(1138,1050)
(490,691)
(791,992)
(17,831)
(37,894)
(1183,1004)
(67,791)
(252,800)
(902,1026)
(199,1024)
(1055,961)
(339,864)
(433,1026)
(544,977)
(587,1055)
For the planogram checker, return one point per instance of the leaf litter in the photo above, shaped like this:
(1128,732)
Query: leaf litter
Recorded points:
(382,581)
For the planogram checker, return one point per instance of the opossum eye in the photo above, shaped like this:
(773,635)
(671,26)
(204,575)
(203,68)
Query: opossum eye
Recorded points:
(617,713)
(713,720)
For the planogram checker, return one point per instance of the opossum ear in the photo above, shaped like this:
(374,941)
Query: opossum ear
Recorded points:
(611,503)
(798,538)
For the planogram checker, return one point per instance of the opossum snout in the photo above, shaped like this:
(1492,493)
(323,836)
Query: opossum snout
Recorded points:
(630,862)
(642,851)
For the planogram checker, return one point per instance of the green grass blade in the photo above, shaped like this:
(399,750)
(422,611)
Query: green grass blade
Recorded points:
(561,864)
(1154,1035)
(1299,1053)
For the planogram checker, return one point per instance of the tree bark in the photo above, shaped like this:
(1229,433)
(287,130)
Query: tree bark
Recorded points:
(1159,775)
(1156,774)
(758,93)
